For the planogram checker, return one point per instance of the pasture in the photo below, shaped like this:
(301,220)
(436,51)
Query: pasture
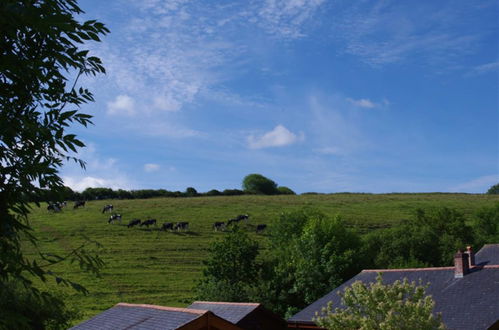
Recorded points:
(146,265)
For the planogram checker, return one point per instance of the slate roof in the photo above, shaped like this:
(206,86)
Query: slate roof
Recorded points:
(141,317)
(470,302)
(488,254)
(232,312)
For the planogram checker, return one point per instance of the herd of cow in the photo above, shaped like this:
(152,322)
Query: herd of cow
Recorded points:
(167,226)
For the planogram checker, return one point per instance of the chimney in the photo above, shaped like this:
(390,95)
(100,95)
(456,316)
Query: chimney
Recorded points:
(471,256)
(461,264)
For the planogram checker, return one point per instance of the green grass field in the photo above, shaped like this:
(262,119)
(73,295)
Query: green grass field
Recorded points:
(154,267)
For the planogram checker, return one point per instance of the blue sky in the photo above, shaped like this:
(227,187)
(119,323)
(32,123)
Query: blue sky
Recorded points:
(325,96)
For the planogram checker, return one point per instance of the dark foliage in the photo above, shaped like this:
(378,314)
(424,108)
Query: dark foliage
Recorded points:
(40,63)
(494,190)
(231,268)
(429,239)
(260,185)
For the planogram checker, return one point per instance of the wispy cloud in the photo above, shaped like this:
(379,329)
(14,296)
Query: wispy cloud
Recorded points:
(150,167)
(368,104)
(477,185)
(122,105)
(280,136)
(485,68)
(334,128)
(386,32)
(287,18)
(100,172)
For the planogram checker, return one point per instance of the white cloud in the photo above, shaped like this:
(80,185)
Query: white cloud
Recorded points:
(151,167)
(363,103)
(122,105)
(280,136)
(80,183)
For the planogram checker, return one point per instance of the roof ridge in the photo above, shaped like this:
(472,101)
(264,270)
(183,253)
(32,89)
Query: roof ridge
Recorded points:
(488,266)
(408,269)
(165,308)
(226,303)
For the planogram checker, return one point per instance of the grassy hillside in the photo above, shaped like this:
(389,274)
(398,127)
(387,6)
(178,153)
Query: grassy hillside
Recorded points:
(149,266)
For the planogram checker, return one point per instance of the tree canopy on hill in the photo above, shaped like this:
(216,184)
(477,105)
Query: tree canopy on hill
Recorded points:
(41,61)
(258,184)
(494,190)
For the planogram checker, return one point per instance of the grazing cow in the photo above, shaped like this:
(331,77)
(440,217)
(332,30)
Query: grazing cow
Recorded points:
(107,208)
(181,226)
(231,221)
(219,225)
(148,223)
(244,217)
(79,204)
(167,226)
(54,207)
(134,222)
(260,228)
(114,217)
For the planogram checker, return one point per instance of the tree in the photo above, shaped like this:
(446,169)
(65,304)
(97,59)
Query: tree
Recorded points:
(401,305)
(258,184)
(191,192)
(494,190)
(428,239)
(40,63)
(230,269)
(310,254)
(486,225)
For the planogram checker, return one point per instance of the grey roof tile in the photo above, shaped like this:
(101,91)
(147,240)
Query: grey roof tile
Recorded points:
(140,317)
(488,254)
(232,312)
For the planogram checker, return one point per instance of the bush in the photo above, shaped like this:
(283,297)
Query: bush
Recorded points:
(285,191)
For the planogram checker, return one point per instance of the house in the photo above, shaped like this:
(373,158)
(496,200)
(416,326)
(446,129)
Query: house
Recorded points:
(466,295)
(251,316)
(200,315)
(151,317)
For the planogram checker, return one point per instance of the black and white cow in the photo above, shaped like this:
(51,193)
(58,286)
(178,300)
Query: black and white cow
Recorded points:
(260,228)
(55,207)
(219,225)
(181,226)
(232,221)
(79,204)
(114,217)
(134,222)
(148,223)
(167,226)
(244,217)
(107,208)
